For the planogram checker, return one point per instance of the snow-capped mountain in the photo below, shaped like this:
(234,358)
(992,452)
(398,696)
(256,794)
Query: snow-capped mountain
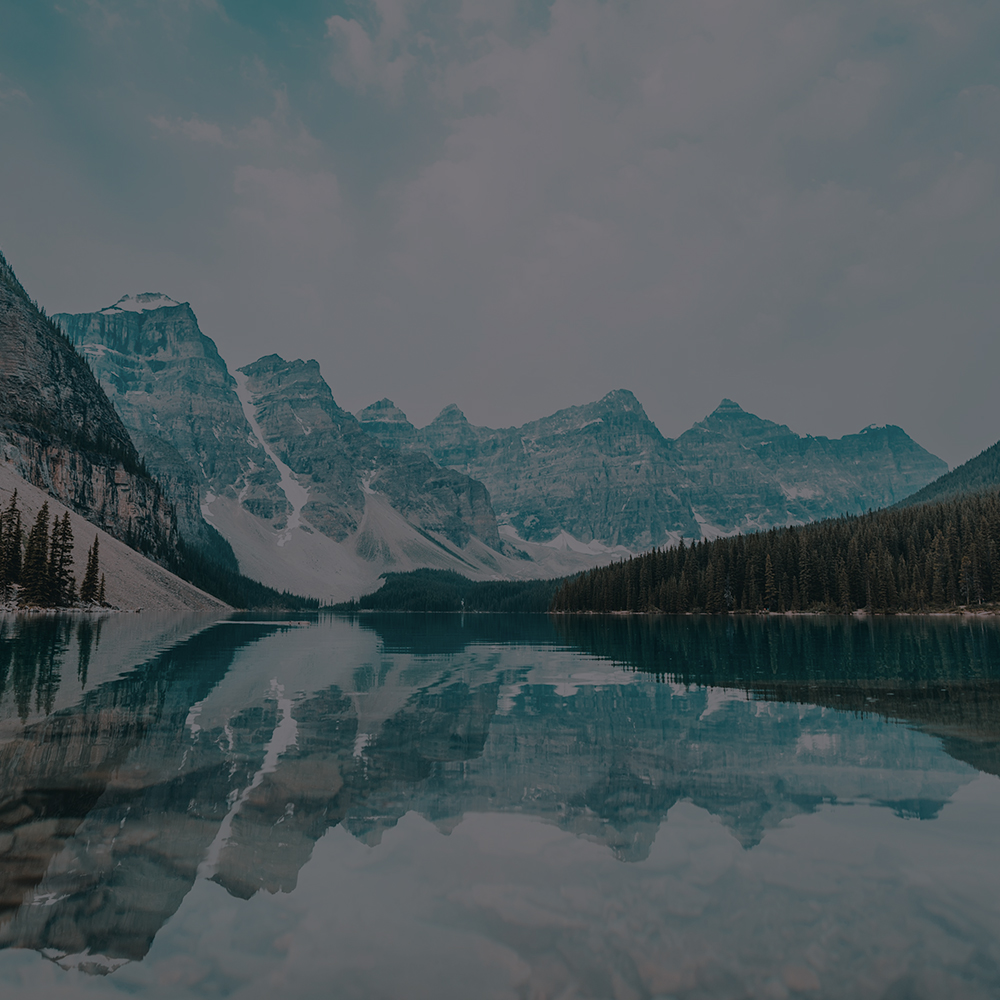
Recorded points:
(143,302)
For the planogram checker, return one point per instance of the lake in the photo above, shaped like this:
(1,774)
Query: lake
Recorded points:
(499,807)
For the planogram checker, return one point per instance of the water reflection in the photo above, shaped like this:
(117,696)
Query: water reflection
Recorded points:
(141,758)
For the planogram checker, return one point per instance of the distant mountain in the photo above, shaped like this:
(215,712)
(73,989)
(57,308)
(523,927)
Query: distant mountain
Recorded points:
(975,476)
(309,498)
(750,473)
(597,473)
(602,474)
(339,464)
(305,499)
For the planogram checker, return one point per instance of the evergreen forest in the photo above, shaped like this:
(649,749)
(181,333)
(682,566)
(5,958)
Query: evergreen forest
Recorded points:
(929,557)
(38,569)
(438,590)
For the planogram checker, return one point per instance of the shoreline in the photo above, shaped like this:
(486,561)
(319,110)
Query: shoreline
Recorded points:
(959,613)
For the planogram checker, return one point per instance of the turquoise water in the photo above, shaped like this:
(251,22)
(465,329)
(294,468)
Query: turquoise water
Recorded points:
(431,806)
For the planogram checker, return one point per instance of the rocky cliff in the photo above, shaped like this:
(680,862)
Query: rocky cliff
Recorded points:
(59,431)
(749,473)
(305,498)
(339,464)
(600,472)
(178,400)
(603,475)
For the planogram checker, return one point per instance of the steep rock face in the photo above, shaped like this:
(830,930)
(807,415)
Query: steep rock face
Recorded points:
(600,472)
(339,463)
(61,433)
(603,473)
(393,428)
(328,517)
(178,400)
(749,473)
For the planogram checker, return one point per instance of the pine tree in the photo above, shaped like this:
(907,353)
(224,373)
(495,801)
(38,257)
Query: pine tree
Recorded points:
(51,597)
(11,540)
(770,591)
(932,555)
(100,593)
(34,570)
(62,585)
(88,589)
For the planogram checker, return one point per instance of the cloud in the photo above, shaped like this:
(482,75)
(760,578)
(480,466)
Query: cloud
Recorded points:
(364,61)
(192,128)
(519,205)
(710,184)
(281,129)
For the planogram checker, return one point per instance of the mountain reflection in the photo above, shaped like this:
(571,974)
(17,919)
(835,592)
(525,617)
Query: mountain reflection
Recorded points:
(137,757)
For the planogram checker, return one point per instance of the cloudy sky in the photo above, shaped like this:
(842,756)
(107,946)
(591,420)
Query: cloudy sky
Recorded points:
(518,205)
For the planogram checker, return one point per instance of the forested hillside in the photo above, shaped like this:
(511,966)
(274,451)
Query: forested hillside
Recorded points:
(978,474)
(436,590)
(922,558)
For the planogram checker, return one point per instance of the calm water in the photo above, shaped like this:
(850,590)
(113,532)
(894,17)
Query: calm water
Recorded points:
(431,807)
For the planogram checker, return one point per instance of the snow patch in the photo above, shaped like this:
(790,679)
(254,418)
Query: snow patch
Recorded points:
(85,961)
(206,505)
(565,542)
(49,898)
(97,350)
(295,493)
(799,492)
(715,698)
(191,722)
(284,737)
(816,743)
(143,302)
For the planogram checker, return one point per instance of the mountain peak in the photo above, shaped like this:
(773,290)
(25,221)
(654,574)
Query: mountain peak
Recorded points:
(383,411)
(142,302)
(451,414)
(727,408)
(622,399)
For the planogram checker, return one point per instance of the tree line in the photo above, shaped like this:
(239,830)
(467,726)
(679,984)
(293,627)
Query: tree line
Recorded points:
(934,556)
(36,568)
(439,590)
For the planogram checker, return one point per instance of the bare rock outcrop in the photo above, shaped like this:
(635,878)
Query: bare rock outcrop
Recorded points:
(60,432)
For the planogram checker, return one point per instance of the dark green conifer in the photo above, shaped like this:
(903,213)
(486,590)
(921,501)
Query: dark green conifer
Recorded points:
(770,591)
(62,584)
(35,568)
(88,589)
(11,540)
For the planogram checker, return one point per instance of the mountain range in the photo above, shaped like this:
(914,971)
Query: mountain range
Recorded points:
(260,472)
(603,474)
(308,497)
